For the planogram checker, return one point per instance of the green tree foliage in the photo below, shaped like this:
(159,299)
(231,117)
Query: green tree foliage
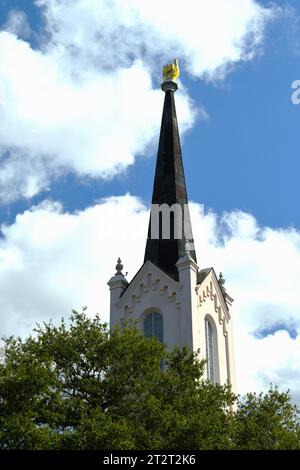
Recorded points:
(79,386)
(267,421)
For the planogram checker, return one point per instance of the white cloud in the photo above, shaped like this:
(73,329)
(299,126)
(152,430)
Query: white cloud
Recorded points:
(207,34)
(52,261)
(85,101)
(262,267)
(17,24)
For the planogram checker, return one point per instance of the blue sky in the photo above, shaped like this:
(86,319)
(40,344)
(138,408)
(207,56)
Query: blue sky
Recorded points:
(78,106)
(249,145)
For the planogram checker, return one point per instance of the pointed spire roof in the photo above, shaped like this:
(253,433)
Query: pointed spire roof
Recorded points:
(170,188)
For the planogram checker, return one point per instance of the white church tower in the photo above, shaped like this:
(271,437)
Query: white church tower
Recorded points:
(171,296)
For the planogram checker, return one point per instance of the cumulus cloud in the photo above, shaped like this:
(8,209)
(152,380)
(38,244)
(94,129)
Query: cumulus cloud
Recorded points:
(86,100)
(53,126)
(262,268)
(17,24)
(52,261)
(208,35)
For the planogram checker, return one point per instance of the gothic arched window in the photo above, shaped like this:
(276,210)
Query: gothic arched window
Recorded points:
(153,326)
(209,340)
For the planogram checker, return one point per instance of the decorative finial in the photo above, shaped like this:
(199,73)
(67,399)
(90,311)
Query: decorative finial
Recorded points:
(119,267)
(171,71)
(222,281)
(170,75)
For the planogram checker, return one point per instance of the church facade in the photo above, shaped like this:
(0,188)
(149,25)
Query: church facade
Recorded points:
(171,296)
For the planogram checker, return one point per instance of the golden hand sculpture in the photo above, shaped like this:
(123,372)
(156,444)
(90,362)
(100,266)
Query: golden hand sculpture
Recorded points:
(171,71)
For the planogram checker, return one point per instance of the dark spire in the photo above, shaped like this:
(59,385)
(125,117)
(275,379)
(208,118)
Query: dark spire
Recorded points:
(169,188)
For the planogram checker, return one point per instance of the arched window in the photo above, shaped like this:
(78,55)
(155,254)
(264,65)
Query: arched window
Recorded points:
(153,326)
(209,352)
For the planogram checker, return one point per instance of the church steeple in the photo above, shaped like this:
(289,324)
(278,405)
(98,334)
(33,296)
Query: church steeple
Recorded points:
(169,297)
(169,189)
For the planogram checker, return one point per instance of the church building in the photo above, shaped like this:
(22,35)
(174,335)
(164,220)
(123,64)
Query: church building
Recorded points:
(173,297)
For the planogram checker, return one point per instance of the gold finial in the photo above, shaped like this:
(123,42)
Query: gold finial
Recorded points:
(171,71)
